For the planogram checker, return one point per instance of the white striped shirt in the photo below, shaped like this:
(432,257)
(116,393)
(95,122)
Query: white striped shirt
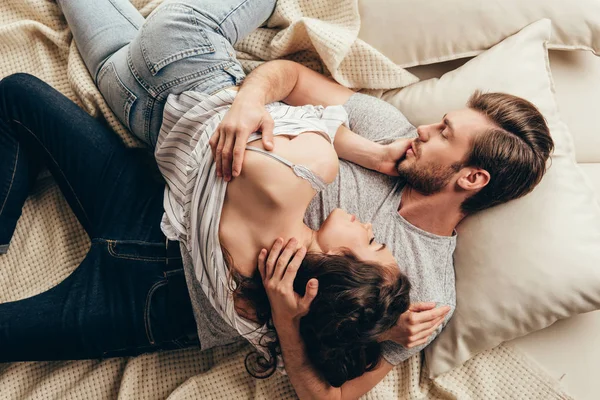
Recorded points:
(194,196)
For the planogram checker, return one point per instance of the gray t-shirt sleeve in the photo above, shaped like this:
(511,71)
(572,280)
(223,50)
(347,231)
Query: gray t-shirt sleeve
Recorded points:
(376,119)
(395,353)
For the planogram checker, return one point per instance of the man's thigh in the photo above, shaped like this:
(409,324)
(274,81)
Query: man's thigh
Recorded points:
(98,309)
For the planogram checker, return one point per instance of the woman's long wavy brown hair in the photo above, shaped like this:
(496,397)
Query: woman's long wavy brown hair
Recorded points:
(357,302)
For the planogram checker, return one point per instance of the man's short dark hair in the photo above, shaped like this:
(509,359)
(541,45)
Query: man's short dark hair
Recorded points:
(514,152)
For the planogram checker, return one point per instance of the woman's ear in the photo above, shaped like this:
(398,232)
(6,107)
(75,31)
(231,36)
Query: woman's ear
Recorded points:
(473,179)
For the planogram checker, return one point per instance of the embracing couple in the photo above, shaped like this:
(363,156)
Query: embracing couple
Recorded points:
(315,222)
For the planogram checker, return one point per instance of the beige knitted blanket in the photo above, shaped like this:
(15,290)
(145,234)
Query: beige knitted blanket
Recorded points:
(49,243)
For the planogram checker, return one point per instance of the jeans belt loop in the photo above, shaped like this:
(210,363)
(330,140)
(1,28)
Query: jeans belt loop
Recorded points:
(166,250)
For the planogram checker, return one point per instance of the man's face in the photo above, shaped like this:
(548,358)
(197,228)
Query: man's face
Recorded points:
(437,155)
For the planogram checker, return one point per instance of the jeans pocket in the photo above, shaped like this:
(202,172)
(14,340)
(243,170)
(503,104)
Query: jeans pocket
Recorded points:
(137,251)
(155,310)
(168,315)
(171,33)
(119,98)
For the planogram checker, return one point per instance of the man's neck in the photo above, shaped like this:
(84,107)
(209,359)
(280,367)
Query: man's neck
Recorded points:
(438,213)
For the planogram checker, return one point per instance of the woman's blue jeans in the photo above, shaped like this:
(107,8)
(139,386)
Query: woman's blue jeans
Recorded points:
(128,295)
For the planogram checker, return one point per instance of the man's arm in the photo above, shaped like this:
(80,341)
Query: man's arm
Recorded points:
(278,271)
(292,83)
(273,81)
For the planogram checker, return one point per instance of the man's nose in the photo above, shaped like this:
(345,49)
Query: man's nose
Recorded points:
(423,132)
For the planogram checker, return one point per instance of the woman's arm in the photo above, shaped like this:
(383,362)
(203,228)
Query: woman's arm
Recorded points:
(307,383)
(378,157)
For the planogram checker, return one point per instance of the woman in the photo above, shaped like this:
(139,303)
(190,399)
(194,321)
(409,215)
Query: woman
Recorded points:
(202,214)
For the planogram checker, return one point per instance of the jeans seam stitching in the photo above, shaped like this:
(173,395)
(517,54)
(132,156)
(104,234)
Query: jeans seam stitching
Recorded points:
(164,87)
(103,70)
(136,75)
(129,257)
(124,15)
(12,179)
(59,169)
(148,117)
(154,287)
(142,41)
(189,52)
(156,67)
(111,251)
(227,16)
(131,97)
(129,241)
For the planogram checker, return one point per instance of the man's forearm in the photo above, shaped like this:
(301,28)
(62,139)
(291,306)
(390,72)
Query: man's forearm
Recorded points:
(307,383)
(292,83)
(272,81)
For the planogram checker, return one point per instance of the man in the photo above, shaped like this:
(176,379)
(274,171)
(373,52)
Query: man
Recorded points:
(493,151)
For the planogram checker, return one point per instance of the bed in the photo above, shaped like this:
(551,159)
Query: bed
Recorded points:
(35,39)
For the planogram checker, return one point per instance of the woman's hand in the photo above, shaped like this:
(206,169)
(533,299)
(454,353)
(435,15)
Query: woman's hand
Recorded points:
(278,271)
(392,154)
(228,142)
(415,326)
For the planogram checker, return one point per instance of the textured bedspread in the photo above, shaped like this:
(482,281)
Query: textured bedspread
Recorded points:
(49,243)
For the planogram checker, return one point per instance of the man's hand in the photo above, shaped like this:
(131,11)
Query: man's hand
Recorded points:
(228,142)
(392,154)
(415,326)
(278,272)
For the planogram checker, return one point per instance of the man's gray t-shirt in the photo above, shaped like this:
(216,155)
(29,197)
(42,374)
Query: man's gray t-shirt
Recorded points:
(424,257)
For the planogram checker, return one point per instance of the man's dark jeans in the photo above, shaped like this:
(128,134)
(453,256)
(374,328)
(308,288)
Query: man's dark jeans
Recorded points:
(128,295)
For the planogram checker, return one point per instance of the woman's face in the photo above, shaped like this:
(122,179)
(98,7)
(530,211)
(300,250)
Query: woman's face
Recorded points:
(343,230)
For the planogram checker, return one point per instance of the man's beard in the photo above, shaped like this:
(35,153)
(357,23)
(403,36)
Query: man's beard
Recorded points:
(427,179)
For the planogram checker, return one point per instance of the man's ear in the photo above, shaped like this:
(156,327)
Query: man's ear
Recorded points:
(473,179)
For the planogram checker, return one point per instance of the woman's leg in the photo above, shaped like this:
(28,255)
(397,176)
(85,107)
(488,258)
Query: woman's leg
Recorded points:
(128,295)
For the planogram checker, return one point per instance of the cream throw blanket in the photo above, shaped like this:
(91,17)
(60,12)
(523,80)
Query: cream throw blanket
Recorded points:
(49,243)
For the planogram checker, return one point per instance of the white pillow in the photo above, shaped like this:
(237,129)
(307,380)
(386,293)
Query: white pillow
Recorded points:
(523,265)
(417,32)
